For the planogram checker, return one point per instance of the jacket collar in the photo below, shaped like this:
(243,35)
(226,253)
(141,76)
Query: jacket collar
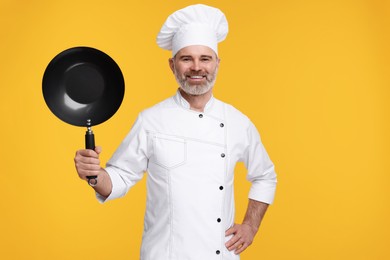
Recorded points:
(182,102)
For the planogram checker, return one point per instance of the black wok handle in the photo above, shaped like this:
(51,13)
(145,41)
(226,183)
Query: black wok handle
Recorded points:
(90,144)
(89,140)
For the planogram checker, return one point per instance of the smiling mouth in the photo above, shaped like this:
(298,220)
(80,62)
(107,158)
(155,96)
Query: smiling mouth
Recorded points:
(196,77)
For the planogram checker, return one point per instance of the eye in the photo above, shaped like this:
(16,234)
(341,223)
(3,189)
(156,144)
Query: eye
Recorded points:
(185,59)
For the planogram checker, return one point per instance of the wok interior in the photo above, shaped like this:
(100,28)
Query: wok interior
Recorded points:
(83,84)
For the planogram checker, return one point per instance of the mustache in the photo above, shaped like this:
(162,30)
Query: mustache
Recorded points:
(195,74)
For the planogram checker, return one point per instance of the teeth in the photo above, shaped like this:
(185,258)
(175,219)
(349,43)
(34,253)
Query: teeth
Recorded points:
(196,77)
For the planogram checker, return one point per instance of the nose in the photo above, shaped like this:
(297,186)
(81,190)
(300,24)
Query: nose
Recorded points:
(195,65)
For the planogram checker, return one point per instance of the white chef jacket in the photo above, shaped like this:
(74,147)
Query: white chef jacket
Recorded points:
(190,158)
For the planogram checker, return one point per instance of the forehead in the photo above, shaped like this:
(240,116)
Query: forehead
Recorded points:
(196,50)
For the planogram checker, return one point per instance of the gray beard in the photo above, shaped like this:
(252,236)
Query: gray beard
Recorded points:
(196,90)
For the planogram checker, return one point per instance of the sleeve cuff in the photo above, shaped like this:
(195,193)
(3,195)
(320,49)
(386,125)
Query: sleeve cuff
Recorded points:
(264,195)
(263,190)
(119,188)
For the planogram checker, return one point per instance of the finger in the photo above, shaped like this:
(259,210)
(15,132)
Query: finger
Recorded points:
(87,153)
(241,248)
(232,241)
(238,242)
(87,160)
(83,174)
(231,230)
(87,166)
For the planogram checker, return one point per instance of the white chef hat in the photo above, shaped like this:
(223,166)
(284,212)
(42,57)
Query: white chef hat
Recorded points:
(193,25)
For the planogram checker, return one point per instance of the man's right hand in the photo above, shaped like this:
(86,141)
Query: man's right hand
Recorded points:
(88,164)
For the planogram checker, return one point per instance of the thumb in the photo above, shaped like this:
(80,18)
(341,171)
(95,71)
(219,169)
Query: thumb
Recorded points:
(98,149)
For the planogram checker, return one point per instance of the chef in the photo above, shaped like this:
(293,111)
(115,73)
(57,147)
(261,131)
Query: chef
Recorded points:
(189,145)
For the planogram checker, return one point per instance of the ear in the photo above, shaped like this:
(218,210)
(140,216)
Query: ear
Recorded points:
(218,62)
(171,65)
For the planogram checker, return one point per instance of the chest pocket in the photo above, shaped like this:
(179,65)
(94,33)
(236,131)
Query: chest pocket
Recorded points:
(168,151)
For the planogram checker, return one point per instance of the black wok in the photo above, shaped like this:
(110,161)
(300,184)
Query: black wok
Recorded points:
(83,86)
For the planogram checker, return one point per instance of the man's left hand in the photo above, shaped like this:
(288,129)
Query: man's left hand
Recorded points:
(243,236)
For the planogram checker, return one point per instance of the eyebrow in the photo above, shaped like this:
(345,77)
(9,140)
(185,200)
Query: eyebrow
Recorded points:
(206,56)
(184,56)
(189,56)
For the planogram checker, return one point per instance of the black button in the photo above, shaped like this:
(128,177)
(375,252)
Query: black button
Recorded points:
(222,155)
(218,252)
(200,115)
(218,220)
(221,187)
(221,125)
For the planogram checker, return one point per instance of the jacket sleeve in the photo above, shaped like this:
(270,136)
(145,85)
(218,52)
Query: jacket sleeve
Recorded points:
(260,169)
(129,162)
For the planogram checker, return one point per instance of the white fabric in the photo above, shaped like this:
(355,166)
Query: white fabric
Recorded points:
(190,159)
(194,25)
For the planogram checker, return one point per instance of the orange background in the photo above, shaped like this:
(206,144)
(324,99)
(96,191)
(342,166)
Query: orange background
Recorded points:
(312,75)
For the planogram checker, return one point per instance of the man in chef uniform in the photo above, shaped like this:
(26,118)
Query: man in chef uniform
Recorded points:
(189,145)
